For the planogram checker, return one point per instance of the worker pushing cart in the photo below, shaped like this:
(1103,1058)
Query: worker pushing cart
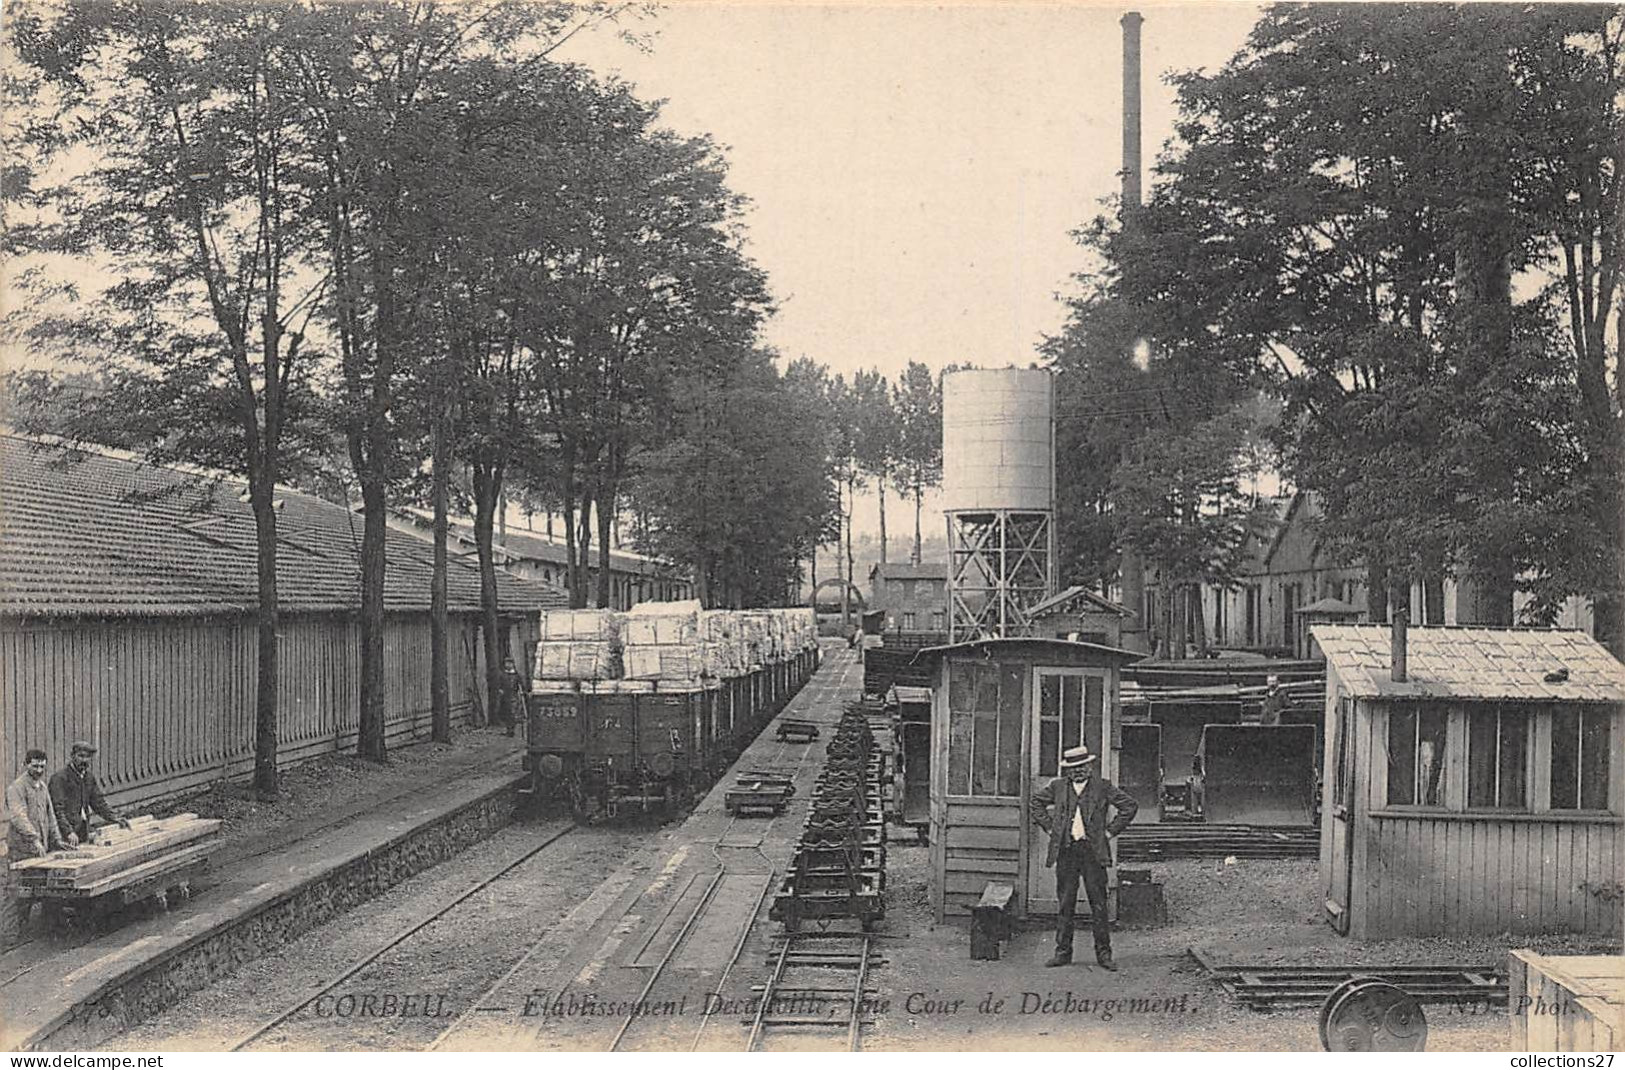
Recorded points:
(76,795)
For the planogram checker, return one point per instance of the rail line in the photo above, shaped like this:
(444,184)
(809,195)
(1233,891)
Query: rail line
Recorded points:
(794,1005)
(400,938)
(723,872)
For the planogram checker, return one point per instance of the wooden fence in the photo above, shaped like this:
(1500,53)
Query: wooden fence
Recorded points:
(170,701)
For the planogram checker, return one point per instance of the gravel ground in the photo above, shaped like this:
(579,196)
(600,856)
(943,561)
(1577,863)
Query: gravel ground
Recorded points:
(327,790)
(1252,911)
(403,1000)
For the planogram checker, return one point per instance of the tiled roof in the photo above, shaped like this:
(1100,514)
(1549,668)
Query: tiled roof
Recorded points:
(1488,664)
(529,546)
(96,534)
(925,570)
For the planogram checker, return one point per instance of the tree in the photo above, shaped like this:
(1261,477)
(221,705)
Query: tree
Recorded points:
(1346,204)
(178,131)
(877,435)
(846,411)
(917,401)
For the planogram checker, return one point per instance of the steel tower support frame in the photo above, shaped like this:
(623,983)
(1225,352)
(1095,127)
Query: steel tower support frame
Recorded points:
(1000,563)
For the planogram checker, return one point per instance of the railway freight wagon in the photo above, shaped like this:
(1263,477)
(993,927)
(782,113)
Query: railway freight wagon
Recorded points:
(645,710)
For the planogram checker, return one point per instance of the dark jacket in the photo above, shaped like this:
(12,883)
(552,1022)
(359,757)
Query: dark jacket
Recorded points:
(76,797)
(1051,808)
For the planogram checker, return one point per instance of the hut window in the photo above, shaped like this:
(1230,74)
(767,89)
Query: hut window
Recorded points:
(1497,757)
(1580,742)
(984,729)
(1416,757)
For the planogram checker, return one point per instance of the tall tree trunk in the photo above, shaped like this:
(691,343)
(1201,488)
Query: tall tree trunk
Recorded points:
(262,487)
(1433,597)
(487,495)
(846,591)
(370,739)
(584,545)
(919,504)
(606,516)
(1376,588)
(439,666)
(1197,620)
(880,483)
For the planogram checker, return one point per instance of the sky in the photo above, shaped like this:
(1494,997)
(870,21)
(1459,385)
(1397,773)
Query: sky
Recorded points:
(915,169)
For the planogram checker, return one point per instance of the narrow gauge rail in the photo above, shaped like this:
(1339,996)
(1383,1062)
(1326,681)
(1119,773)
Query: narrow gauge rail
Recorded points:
(768,880)
(733,883)
(798,995)
(402,937)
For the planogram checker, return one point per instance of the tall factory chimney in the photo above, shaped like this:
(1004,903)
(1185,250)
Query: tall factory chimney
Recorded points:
(1131,110)
(1131,566)
(998,489)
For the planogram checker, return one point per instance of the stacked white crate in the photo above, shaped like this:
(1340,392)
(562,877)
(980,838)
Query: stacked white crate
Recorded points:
(662,642)
(579,644)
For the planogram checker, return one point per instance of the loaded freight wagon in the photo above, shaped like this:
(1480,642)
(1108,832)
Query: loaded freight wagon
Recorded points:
(644,710)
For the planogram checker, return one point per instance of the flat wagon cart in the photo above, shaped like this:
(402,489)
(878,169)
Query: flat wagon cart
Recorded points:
(155,859)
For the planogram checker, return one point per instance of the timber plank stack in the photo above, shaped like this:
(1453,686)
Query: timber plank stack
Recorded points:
(149,848)
(1156,843)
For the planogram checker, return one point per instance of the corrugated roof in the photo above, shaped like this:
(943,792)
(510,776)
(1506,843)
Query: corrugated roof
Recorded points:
(94,534)
(1487,664)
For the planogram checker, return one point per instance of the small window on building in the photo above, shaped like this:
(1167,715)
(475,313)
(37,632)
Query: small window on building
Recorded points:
(908,622)
(1580,748)
(1416,756)
(938,622)
(1497,759)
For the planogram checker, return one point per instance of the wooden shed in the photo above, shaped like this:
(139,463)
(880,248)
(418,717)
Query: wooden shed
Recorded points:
(1474,787)
(127,599)
(1002,712)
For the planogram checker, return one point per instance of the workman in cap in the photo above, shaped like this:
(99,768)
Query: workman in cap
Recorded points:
(32,830)
(75,795)
(1274,702)
(1072,809)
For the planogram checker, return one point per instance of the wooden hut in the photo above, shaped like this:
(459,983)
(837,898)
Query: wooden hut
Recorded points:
(1473,781)
(1002,712)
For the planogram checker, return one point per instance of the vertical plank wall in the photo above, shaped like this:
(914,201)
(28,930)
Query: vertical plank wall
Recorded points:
(171,701)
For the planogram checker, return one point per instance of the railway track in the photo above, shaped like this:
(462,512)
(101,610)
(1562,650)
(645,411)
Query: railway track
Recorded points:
(686,975)
(262,1030)
(813,975)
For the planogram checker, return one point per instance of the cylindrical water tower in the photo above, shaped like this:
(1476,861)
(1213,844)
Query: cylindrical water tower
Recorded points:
(998,484)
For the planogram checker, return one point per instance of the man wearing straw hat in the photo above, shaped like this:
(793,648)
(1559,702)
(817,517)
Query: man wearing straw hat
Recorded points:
(1072,809)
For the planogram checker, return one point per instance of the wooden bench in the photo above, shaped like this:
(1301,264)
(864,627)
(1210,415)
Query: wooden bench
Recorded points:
(990,920)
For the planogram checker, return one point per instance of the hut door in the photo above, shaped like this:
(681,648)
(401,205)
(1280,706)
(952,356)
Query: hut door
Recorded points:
(1339,872)
(1068,709)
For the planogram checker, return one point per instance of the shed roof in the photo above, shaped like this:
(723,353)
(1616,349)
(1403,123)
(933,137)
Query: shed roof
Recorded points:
(1485,664)
(87,533)
(1057,601)
(1028,645)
